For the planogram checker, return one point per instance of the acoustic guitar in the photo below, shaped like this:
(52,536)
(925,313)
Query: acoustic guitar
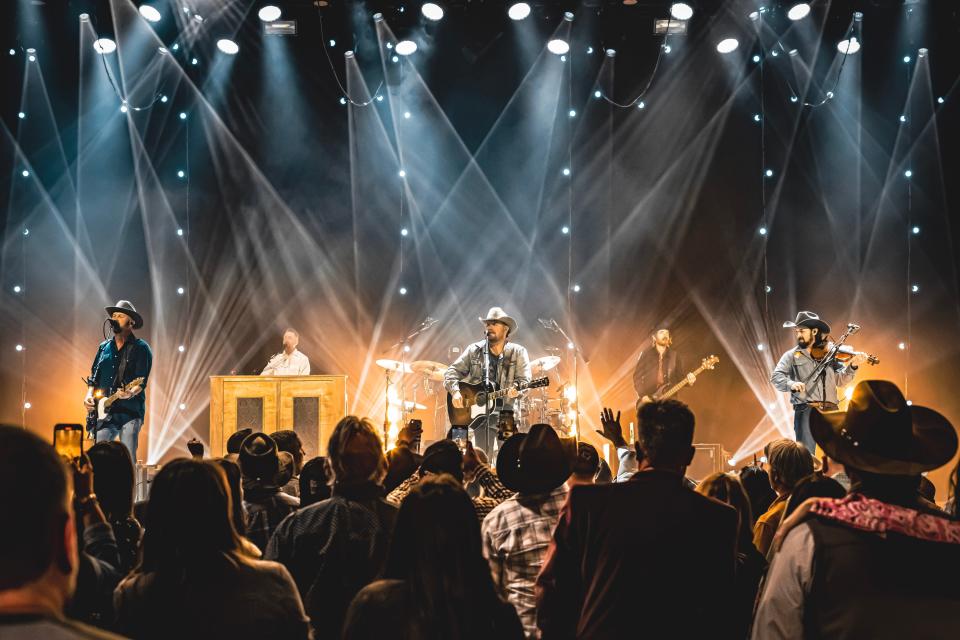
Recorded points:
(475,400)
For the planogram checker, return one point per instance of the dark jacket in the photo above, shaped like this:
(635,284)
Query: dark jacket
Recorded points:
(105,374)
(870,586)
(333,549)
(647,557)
(266,507)
(645,373)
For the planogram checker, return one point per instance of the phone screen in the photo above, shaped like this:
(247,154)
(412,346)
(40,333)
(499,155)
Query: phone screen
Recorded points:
(68,440)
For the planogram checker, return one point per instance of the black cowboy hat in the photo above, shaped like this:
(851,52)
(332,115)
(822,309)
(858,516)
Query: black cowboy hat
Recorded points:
(534,462)
(808,319)
(880,433)
(125,306)
(259,458)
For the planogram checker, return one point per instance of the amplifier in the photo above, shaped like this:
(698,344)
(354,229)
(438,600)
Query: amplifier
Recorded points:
(707,459)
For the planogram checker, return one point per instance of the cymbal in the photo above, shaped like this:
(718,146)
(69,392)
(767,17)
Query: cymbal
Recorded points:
(545,363)
(394,365)
(408,405)
(430,369)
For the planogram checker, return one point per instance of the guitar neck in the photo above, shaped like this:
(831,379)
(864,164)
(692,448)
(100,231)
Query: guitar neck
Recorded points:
(680,385)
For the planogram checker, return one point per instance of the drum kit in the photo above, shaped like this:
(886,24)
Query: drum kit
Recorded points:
(537,405)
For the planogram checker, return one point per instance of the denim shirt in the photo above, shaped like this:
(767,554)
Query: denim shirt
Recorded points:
(796,365)
(514,367)
(139,363)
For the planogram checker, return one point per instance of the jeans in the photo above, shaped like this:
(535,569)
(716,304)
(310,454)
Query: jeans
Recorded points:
(801,427)
(128,432)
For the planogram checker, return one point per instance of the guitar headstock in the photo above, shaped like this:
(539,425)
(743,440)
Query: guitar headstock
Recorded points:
(538,382)
(710,363)
(136,382)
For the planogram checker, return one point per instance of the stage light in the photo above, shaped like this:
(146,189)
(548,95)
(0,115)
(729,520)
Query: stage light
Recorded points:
(589,51)
(794,98)
(378,17)
(402,173)
(774,52)
(406,115)
(916,230)
(404,232)
(848,393)
(181,348)
(25,174)
(104,46)
(343,100)
(915,288)
(269,13)
(903,118)
(829,95)
(728,45)
(763,459)
(768,289)
(902,346)
(333,43)
(762,231)
(756,117)
(906,58)
(768,173)
(667,48)
(180,232)
(940,100)
(558,46)
(611,53)
(183,115)
(597,94)
(922,52)
(19,347)
(228,46)
(31,54)
(858,16)
(570,393)
(564,229)
(182,406)
(21,115)
(570,345)
(681,11)
(403,291)
(194,61)
(181,174)
(149,13)
(568,16)
(432,11)
(406,47)
(13,52)
(848,46)
(732,462)
(572,113)
(754,16)
(26,232)
(518,11)
(566,171)
(908,173)
(395,59)
(641,105)
(27,405)
(17,288)
(576,288)
(760,347)
(123,108)
(799,11)
(164,99)
(756,58)
(379,98)
(180,291)
(176,46)
(909,403)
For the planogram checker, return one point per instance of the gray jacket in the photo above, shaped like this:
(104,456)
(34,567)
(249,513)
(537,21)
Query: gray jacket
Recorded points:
(514,367)
(796,365)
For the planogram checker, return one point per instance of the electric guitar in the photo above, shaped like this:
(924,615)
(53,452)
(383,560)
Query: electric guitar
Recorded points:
(101,411)
(475,400)
(664,392)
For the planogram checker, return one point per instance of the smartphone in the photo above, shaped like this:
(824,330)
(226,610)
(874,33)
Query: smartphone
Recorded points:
(68,440)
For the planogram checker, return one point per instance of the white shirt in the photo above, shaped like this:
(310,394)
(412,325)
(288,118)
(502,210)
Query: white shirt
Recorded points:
(294,364)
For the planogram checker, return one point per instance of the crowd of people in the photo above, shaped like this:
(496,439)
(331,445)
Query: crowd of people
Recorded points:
(843,542)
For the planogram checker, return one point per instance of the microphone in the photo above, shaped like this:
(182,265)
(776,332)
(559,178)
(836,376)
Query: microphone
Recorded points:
(428,323)
(853,327)
(546,324)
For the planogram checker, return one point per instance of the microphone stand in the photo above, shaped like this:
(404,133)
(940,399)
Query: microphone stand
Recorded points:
(426,325)
(486,389)
(577,354)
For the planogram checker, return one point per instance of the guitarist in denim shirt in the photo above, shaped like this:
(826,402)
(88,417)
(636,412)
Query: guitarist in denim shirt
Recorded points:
(119,361)
(509,363)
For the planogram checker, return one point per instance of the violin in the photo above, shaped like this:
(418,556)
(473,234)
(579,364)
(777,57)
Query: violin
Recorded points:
(845,353)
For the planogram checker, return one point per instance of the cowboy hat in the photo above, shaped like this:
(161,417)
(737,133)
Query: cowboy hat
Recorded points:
(534,462)
(259,458)
(880,433)
(808,319)
(126,307)
(496,314)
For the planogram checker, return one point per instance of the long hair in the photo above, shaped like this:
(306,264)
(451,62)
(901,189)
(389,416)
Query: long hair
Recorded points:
(113,479)
(231,470)
(727,488)
(436,551)
(189,530)
(355,452)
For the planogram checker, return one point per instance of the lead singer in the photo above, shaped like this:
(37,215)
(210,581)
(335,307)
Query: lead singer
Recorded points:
(509,363)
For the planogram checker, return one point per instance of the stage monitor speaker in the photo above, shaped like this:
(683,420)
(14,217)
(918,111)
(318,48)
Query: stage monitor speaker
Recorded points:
(707,459)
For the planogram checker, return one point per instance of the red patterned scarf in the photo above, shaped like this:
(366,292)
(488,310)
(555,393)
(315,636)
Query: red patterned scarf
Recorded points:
(866,514)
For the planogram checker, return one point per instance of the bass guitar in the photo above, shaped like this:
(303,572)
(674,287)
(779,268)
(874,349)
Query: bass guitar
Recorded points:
(475,400)
(666,391)
(101,410)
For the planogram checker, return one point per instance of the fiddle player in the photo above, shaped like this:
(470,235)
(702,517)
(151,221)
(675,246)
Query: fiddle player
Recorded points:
(797,365)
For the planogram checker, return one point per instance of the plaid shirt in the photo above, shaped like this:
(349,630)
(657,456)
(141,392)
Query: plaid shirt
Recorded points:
(515,538)
(493,491)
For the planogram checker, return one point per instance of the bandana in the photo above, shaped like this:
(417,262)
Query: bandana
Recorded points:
(866,514)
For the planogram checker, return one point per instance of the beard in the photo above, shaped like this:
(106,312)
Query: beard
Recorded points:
(802,343)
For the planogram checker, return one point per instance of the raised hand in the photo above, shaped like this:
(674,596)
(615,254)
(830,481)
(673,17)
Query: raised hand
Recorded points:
(612,430)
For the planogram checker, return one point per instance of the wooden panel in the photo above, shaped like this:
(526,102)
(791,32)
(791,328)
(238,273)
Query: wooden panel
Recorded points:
(277,394)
